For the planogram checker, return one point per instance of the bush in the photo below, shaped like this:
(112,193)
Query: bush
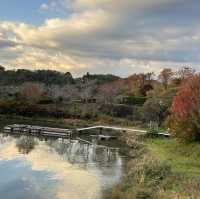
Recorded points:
(184,130)
(135,100)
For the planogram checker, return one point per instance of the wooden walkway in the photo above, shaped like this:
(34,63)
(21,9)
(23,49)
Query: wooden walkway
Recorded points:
(38,130)
(66,133)
(112,128)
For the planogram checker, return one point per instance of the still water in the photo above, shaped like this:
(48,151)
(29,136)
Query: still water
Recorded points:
(33,168)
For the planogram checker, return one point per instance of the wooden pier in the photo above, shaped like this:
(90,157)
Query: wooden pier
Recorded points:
(38,130)
(62,133)
(67,133)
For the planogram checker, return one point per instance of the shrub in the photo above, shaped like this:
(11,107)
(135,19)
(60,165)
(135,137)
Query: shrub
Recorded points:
(135,100)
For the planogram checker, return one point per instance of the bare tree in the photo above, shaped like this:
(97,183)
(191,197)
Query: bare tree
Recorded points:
(165,76)
(66,93)
(185,73)
(87,90)
(110,90)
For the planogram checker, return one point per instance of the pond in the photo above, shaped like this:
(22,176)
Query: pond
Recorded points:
(44,168)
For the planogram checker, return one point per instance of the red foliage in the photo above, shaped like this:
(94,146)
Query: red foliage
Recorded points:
(182,104)
(186,108)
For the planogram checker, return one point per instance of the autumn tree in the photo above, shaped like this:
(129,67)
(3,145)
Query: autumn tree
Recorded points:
(110,90)
(185,121)
(165,76)
(139,84)
(31,92)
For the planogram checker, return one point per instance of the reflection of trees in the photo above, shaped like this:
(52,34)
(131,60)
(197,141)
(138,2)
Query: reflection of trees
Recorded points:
(77,152)
(26,144)
(106,162)
(3,138)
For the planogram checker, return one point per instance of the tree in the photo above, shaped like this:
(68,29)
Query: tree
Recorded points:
(154,110)
(2,69)
(165,76)
(87,90)
(185,73)
(139,84)
(66,93)
(110,90)
(31,92)
(185,121)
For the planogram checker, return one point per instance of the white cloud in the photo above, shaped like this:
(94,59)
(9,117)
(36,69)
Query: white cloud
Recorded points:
(104,36)
(44,7)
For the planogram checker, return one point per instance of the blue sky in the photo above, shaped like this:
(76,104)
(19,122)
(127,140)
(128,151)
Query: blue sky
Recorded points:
(101,36)
(27,11)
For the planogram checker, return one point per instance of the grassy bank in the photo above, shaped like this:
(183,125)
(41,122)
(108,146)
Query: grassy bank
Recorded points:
(183,158)
(160,168)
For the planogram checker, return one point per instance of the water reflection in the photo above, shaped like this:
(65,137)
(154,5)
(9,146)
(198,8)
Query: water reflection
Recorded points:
(69,168)
(26,144)
(80,153)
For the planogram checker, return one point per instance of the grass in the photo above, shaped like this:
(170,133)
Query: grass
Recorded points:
(183,158)
(163,168)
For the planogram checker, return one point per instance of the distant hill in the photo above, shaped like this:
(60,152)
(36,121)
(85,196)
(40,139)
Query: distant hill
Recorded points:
(49,77)
(101,78)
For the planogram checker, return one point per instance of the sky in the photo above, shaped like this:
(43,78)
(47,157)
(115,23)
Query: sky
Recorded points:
(121,37)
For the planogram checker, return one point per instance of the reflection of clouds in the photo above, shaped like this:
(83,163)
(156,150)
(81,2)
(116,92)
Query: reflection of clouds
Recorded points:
(106,163)
(9,151)
(74,183)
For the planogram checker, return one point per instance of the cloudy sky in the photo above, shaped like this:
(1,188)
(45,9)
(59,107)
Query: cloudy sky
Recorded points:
(100,36)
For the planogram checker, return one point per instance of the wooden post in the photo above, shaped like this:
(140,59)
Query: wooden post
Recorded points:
(100,131)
